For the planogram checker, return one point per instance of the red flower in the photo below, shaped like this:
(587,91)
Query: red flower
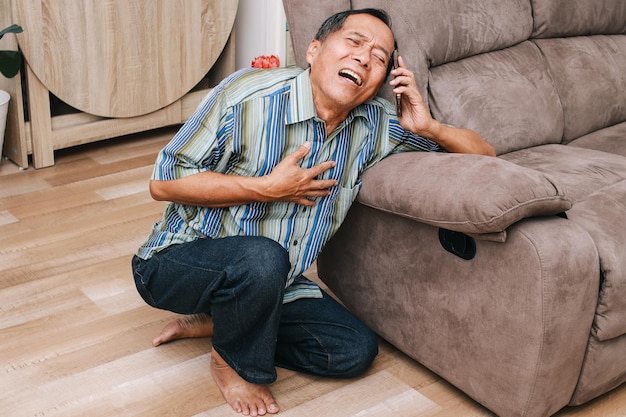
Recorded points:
(266,61)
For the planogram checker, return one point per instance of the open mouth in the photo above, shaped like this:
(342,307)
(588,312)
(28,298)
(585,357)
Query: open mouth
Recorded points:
(352,76)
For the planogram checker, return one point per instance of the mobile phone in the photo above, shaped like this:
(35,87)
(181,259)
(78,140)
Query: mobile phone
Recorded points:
(398,96)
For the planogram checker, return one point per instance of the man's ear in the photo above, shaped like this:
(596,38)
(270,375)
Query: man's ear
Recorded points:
(312,50)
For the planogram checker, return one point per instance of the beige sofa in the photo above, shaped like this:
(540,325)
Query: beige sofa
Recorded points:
(506,276)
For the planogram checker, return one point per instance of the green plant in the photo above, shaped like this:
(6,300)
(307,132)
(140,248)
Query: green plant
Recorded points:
(10,61)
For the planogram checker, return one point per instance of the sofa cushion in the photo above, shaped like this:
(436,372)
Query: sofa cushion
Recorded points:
(579,172)
(467,193)
(599,60)
(450,30)
(307,17)
(554,18)
(611,139)
(503,95)
(431,33)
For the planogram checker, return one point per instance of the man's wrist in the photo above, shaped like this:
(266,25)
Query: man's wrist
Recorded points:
(433,132)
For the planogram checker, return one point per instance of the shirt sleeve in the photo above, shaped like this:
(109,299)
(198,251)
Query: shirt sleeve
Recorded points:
(200,143)
(402,140)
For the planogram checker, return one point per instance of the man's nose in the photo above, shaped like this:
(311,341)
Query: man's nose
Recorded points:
(362,56)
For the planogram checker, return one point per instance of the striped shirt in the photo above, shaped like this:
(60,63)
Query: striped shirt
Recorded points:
(247,125)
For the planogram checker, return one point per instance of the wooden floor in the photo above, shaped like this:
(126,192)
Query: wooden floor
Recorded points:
(75,336)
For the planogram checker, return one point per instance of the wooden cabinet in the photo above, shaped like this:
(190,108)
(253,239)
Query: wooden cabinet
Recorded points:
(119,66)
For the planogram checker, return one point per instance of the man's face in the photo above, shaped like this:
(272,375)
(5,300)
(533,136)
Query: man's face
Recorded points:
(350,66)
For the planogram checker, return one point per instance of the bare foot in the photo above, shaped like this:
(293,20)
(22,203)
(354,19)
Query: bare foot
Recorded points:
(196,325)
(244,397)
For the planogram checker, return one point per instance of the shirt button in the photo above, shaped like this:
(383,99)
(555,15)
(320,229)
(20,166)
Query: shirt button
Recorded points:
(295,242)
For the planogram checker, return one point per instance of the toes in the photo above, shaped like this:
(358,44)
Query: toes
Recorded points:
(273,408)
(158,339)
(238,408)
(260,410)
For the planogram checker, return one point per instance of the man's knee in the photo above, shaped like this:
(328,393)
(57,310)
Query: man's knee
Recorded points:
(359,358)
(271,258)
(264,264)
(352,356)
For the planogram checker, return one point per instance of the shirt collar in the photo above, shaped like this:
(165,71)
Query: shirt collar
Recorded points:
(301,106)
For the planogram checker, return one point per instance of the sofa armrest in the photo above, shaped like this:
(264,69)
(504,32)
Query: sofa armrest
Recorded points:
(472,194)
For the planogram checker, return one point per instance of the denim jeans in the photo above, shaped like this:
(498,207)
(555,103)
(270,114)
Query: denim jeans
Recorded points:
(240,282)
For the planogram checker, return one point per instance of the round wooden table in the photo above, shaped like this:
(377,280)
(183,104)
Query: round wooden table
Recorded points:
(120,58)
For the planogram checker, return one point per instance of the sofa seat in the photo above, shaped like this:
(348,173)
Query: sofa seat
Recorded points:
(579,172)
(610,140)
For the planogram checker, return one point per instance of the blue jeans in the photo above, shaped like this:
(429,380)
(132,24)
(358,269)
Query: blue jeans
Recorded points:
(240,282)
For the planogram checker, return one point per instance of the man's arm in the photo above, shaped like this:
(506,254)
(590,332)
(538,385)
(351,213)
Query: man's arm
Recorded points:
(287,183)
(417,119)
(458,140)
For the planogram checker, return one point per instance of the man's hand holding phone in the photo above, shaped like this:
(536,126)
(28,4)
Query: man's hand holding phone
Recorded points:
(410,108)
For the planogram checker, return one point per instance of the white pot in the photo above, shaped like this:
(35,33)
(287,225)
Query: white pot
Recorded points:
(4,108)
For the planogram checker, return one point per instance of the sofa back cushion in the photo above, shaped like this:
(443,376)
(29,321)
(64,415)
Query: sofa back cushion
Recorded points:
(305,18)
(564,18)
(504,95)
(588,70)
(432,33)
(589,74)
(445,31)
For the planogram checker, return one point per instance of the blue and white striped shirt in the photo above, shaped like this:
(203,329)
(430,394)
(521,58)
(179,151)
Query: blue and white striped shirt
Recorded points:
(247,125)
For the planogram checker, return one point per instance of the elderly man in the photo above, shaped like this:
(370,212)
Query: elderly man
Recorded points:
(258,180)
